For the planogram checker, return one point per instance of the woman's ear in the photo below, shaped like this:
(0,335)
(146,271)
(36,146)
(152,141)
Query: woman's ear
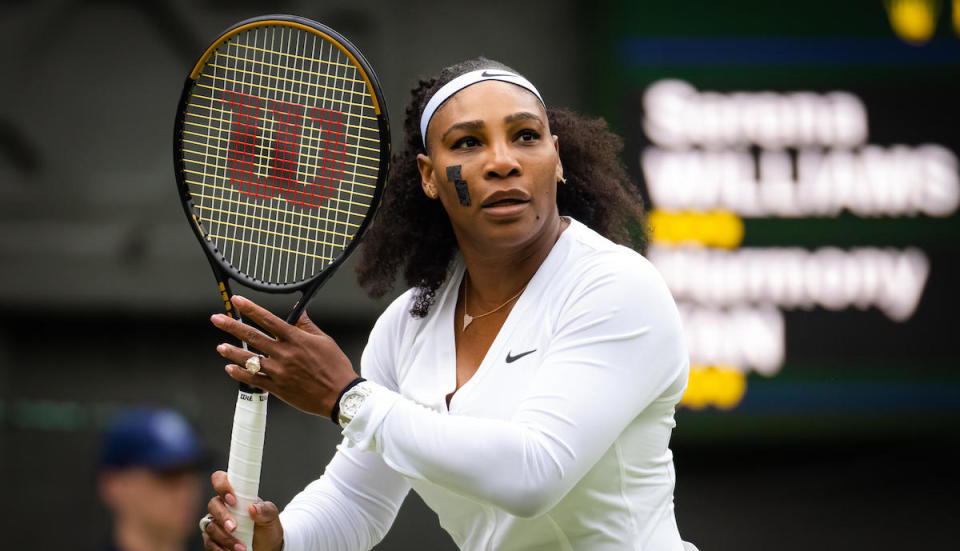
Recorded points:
(556,146)
(428,180)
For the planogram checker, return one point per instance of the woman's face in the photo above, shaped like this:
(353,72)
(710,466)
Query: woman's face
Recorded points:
(494,136)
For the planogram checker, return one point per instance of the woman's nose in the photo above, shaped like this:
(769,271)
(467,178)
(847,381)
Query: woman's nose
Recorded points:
(502,161)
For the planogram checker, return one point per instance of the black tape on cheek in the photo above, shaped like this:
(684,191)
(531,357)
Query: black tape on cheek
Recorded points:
(453,175)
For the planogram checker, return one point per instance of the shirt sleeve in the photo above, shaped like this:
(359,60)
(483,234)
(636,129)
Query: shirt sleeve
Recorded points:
(617,346)
(354,503)
(350,507)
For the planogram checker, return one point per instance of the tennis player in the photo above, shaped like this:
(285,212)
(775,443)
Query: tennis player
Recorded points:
(525,384)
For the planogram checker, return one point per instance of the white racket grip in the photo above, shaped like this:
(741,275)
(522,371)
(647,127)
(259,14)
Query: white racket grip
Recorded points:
(246,453)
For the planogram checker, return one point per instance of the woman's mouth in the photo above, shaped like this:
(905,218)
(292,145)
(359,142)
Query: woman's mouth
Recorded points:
(503,203)
(504,208)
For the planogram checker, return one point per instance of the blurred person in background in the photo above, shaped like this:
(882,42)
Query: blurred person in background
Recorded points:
(148,478)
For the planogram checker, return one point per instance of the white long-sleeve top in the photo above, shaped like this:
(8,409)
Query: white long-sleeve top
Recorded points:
(559,441)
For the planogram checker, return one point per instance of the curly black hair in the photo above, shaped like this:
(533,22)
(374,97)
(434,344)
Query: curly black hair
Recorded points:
(412,233)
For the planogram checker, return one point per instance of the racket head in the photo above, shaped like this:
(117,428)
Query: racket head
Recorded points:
(281,151)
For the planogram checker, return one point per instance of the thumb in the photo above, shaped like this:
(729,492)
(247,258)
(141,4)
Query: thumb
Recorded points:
(267,530)
(306,324)
(264,513)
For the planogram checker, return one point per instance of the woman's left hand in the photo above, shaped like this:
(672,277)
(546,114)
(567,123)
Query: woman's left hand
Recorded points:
(303,366)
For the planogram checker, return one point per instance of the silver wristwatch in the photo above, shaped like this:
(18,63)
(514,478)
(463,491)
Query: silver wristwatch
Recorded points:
(352,400)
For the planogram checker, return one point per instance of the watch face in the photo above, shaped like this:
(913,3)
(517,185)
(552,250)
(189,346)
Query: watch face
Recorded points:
(351,403)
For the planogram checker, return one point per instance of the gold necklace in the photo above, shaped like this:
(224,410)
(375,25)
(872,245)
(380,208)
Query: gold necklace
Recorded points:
(468,319)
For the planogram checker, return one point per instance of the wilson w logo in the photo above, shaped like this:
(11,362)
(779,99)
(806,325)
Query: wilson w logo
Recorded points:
(281,149)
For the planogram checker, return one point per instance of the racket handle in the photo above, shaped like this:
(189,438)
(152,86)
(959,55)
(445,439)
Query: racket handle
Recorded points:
(246,453)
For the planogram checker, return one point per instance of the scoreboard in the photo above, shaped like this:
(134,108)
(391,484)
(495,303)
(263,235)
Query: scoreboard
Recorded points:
(800,164)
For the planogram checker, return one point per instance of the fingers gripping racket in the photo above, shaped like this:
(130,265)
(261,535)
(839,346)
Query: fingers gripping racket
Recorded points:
(281,150)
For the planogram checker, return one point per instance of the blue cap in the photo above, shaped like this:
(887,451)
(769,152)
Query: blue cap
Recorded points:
(159,439)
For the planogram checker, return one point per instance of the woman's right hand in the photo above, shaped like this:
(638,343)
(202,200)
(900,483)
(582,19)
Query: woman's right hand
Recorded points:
(267,531)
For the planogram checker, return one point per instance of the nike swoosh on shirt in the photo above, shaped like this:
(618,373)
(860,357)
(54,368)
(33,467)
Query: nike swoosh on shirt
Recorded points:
(511,359)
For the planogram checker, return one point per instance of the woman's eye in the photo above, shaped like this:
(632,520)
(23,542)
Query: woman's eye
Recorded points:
(528,135)
(466,141)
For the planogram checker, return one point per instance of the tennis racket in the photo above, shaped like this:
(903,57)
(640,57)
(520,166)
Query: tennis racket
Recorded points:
(281,149)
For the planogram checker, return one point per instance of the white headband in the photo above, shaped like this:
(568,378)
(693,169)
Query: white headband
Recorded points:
(461,82)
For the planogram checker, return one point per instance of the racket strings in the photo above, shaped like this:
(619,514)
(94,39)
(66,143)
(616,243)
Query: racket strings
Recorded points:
(226,148)
(327,89)
(224,155)
(202,118)
(276,137)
